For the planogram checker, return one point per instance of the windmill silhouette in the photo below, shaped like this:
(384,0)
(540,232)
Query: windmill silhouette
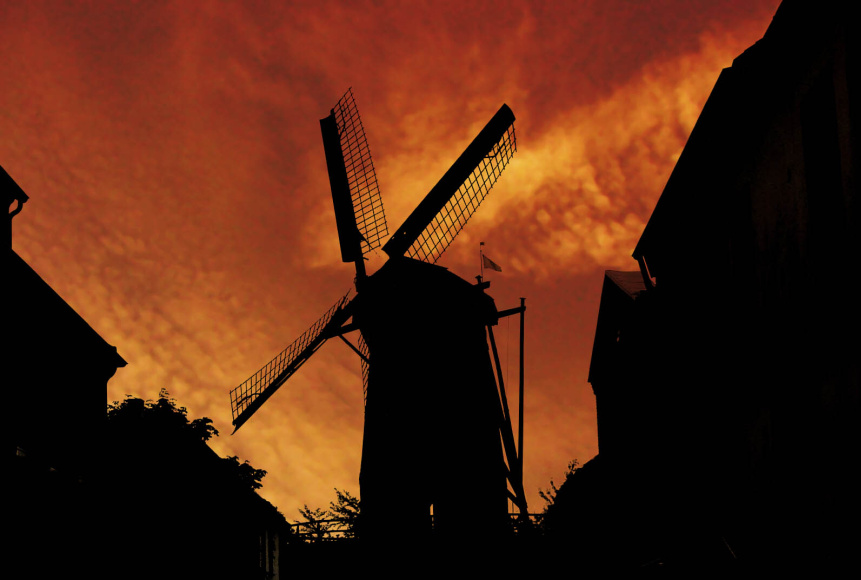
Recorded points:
(437,432)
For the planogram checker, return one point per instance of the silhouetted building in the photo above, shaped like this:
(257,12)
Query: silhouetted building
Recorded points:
(58,366)
(55,374)
(130,506)
(726,371)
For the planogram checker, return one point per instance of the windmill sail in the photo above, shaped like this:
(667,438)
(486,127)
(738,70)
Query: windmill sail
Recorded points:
(366,367)
(446,208)
(250,395)
(359,210)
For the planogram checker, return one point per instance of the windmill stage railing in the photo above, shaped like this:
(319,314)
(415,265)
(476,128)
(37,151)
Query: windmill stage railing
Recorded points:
(250,395)
(336,529)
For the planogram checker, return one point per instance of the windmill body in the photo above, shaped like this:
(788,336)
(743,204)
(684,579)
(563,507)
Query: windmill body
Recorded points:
(436,426)
(432,411)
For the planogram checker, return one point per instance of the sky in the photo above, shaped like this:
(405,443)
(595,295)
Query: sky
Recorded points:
(179,199)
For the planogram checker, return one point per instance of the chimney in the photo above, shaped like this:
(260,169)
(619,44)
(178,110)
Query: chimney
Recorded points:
(11,193)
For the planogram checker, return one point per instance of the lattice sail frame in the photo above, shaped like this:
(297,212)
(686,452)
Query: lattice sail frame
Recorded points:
(364,189)
(243,396)
(366,367)
(441,231)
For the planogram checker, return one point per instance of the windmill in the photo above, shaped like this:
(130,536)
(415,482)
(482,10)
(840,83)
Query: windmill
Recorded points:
(437,431)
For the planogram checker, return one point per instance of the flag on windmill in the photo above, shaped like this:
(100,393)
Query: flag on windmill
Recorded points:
(487,262)
(490,264)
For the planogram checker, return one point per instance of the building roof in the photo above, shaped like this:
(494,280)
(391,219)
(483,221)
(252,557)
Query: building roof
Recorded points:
(618,294)
(696,207)
(631,283)
(38,318)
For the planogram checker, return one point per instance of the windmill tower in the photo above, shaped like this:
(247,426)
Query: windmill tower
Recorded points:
(437,431)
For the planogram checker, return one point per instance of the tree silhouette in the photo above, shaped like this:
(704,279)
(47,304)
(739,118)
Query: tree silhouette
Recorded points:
(163,415)
(244,472)
(558,501)
(317,523)
(160,430)
(347,509)
(342,518)
(550,494)
(175,506)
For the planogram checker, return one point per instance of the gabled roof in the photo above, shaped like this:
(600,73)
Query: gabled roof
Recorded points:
(38,318)
(631,283)
(618,294)
(694,209)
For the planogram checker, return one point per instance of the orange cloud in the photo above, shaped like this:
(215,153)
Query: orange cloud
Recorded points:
(578,195)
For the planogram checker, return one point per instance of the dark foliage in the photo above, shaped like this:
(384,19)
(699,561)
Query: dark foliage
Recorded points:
(347,509)
(341,520)
(162,427)
(550,494)
(162,415)
(172,503)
